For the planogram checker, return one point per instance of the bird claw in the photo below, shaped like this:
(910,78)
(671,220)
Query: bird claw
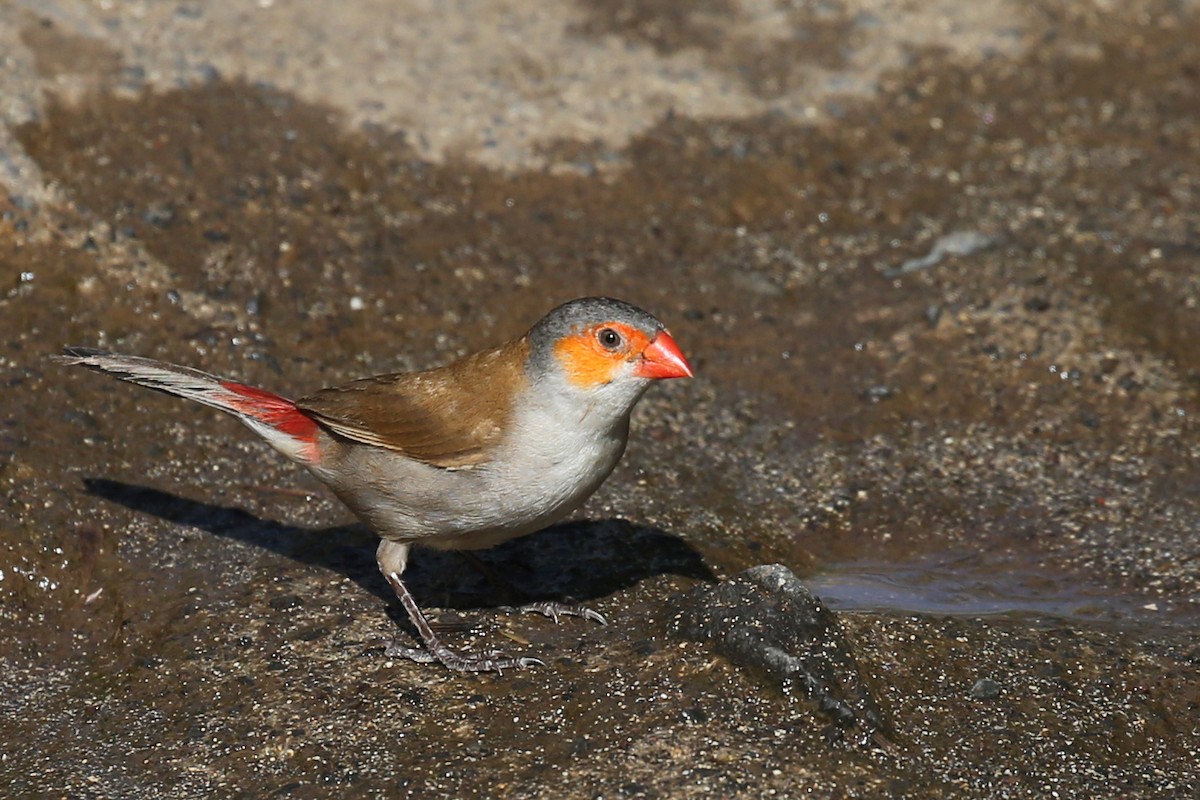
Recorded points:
(450,658)
(555,610)
(530,661)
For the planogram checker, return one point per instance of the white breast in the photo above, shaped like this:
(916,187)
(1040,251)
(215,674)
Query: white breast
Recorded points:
(554,464)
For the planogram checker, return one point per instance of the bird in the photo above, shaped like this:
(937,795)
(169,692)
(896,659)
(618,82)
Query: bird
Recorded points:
(489,447)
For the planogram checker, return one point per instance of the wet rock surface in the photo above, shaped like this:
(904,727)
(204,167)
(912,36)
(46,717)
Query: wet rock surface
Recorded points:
(936,266)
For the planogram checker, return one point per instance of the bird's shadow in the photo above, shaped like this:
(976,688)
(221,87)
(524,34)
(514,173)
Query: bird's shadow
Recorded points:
(577,561)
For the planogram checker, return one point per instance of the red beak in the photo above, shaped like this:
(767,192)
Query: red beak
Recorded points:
(662,358)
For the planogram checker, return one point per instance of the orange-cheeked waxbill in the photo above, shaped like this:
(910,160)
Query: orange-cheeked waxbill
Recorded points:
(495,445)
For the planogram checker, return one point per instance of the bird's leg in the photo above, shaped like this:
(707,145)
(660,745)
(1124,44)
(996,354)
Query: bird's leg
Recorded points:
(550,608)
(436,650)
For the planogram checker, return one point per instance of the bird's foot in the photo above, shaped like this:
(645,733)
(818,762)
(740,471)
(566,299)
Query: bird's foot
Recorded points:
(436,652)
(459,661)
(554,610)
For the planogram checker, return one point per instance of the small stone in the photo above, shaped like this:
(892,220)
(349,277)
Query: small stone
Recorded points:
(284,602)
(985,689)
(160,215)
(877,393)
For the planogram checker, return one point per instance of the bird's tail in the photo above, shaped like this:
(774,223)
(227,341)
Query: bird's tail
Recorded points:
(285,427)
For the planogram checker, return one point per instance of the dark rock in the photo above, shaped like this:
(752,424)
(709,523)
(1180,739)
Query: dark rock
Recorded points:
(766,620)
(985,689)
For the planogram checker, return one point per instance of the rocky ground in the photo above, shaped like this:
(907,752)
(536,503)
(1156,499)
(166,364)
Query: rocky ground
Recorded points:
(937,266)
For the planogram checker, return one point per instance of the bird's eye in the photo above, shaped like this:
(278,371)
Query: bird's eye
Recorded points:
(609,338)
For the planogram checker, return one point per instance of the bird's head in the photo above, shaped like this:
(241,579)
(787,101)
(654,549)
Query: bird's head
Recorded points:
(605,347)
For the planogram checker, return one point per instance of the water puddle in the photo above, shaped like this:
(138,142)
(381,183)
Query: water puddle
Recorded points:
(967,585)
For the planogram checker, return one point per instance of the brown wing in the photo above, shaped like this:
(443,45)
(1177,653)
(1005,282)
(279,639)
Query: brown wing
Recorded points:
(447,417)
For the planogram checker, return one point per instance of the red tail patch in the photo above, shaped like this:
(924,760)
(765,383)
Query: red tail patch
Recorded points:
(278,412)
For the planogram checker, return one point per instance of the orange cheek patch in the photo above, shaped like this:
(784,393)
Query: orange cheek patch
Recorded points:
(589,363)
(584,365)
